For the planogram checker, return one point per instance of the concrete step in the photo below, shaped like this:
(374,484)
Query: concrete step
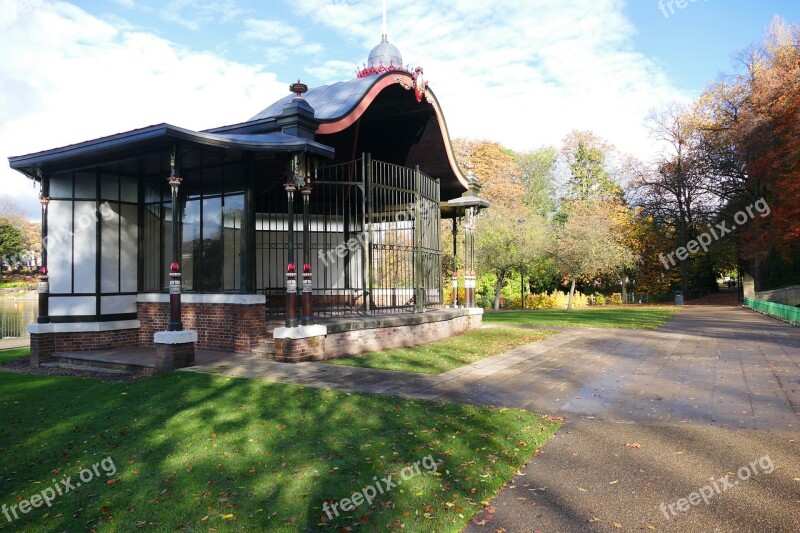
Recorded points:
(87,367)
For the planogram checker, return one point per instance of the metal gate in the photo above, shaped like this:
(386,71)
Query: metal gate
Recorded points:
(374,240)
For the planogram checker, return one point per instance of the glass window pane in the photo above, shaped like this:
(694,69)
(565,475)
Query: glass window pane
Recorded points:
(151,252)
(129,189)
(233,218)
(166,249)
(109,266)
(191,245)
(85,184)
(212,245)
(61,185)
(109,187)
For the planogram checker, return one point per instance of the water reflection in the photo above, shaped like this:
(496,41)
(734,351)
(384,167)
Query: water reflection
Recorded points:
(15,315)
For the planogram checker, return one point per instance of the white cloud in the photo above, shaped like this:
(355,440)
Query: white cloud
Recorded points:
(194,14)
(521,72)
(332,71)
(67,76)
(272,31)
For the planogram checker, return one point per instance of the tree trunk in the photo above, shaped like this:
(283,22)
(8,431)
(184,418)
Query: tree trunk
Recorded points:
(624,289)
(498,288)
(571,295)
(684,264)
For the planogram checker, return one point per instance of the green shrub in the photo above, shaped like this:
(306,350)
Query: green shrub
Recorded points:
(616,299)
(599,299)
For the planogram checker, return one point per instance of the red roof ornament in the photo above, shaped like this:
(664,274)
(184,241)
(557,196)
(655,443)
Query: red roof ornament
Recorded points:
(290,268)
(175,267)
(420,85)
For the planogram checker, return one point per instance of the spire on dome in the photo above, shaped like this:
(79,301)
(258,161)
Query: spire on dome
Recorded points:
(384,57)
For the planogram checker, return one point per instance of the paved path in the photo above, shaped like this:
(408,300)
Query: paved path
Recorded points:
(690,394)
(14,342)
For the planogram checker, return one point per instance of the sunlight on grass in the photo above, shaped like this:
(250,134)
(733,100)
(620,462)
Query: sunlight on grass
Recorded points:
(199,452)
(633,317)
(441,356)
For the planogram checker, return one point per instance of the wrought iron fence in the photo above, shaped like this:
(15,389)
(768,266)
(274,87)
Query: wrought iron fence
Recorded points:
(374,241)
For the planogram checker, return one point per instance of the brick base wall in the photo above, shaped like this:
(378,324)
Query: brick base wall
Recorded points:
(173,356)
(299,350)
(228,327)
(369,340)
(95,340)
(44,345)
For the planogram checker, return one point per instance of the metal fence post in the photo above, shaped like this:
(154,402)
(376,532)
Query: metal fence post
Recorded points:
(418,228)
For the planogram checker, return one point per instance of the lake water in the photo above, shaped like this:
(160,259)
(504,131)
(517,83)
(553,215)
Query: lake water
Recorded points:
(16,314)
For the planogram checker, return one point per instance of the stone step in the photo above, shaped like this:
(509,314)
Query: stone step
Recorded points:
(265,348)
(270,326)
(87,367)
(94,364)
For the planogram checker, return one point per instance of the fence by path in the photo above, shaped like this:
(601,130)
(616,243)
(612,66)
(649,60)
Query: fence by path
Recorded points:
(784,312)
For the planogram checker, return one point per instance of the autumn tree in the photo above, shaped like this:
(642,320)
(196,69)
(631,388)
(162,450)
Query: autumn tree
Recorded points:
(648,240)
(674,189)
(769,139)
(509,240)
(537,176)
(495,167)
(586,158)
(589,244)
(12,213)
(10,243)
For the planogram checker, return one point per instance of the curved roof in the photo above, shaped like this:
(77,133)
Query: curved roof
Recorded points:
(329,101)
(340,105)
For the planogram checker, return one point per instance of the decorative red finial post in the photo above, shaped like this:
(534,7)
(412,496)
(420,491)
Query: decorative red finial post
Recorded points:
(307,279)
(44,283)
(175,323)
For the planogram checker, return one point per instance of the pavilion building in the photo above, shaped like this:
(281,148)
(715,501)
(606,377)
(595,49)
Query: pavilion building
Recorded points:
(321,214)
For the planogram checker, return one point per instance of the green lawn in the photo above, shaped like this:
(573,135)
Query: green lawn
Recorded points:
(12,354)
(634,317)
(441,356)
(198,452)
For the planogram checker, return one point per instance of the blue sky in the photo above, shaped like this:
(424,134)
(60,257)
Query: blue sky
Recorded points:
(520,72)
(696,43)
